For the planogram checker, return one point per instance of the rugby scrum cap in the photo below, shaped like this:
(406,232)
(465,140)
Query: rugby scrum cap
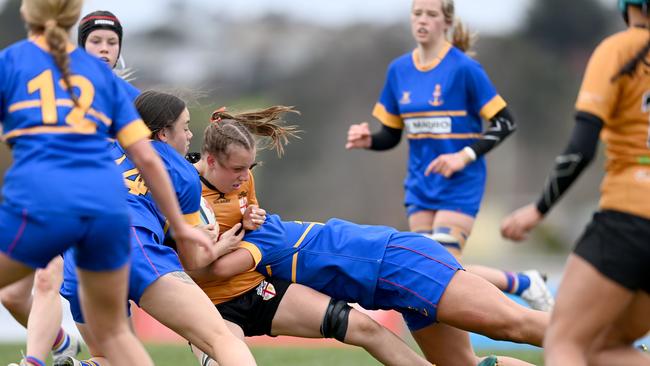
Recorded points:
(100,19)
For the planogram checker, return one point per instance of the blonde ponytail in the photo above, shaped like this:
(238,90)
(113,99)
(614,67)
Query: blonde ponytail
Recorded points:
(460,35)
(54,18)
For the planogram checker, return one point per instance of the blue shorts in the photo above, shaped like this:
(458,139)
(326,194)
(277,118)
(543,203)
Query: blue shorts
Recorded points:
(150,260)
(101,242)
(413,276)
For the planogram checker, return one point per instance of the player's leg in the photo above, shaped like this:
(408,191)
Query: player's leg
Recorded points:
(451,229)
(102,256)
(455,350)
(105,316)
(608,267)
(615,346)
(581,312)
(304,312)
(96,353)
(203,358)
(17,299)
(45,316)
(178,303)
(471,303)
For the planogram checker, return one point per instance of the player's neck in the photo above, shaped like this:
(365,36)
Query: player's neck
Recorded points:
(430,52)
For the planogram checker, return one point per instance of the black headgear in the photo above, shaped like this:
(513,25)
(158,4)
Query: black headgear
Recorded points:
(100,19)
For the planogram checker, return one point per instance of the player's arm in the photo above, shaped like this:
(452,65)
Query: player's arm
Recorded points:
(568,166)
(194,257)
(225,267)
(501,126)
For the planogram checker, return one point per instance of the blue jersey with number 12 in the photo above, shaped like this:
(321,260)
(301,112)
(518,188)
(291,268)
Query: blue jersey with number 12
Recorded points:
(61,150)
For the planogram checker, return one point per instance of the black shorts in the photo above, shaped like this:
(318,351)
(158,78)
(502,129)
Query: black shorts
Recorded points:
(618,245)
(254,310)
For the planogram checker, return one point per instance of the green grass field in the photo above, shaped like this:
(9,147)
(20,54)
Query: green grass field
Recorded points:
(175,355)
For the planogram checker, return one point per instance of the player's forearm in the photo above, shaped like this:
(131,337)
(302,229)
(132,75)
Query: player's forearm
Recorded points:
(576,157)
(502,125)
(385,139)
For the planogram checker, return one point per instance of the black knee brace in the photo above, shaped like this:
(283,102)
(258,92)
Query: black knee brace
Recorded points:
(335,321)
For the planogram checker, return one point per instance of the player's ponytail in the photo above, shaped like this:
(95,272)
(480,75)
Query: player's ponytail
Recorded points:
(226,129)
(57,39)
(53,19)
(461,37)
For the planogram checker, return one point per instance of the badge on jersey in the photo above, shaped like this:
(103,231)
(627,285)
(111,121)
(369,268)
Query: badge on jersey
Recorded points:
(266,290)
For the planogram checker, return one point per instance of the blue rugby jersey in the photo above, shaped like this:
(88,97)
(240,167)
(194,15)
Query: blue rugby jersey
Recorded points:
(441,107)
(338,258)
(61,152)
(185,181)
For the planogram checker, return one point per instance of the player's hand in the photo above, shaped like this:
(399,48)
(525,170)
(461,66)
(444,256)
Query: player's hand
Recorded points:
(254,217)
(448,164)
(519,223)
(359,136)
(186,235)
(212,230)
(228,241)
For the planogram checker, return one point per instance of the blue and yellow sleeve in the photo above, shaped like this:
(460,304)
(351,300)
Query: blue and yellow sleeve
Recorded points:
(127,125)
(483,95)
(387,110)
(255,252)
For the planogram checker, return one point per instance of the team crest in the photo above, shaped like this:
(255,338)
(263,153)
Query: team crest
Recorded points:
(437,97)
(243,202)
(406,98)
(266,290)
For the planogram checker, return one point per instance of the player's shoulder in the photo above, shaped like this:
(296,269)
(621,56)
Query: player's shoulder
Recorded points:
(404,60)
(626,41)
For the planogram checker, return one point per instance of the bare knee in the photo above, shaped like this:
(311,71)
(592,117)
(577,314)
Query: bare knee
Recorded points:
(45,282)
(363,327)
(14,302)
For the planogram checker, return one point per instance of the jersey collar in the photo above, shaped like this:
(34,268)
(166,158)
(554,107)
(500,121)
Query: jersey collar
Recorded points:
(441,55)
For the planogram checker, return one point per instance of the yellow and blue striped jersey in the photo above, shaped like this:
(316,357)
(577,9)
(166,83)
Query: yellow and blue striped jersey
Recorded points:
(142,207)
(339,258)
(441,106)
(61,151)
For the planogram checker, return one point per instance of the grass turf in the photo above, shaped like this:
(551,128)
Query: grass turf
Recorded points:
(176,355)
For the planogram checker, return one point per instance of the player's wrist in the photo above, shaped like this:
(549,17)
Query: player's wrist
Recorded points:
(468,154)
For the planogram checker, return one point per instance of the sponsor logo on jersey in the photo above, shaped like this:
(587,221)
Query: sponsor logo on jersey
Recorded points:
(406,98)
(221,199)
(428,125)
(437,97)
(266,290)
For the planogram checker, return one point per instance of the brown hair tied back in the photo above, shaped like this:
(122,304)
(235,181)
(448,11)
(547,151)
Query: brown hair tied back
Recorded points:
(228,128)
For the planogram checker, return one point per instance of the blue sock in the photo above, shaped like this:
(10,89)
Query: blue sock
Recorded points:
(517,283)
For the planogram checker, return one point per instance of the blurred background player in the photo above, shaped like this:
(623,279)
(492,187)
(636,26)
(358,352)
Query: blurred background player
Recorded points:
(603,299)
(441,96)
(61,107)
(157,282)
(251,303)
(100,34)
